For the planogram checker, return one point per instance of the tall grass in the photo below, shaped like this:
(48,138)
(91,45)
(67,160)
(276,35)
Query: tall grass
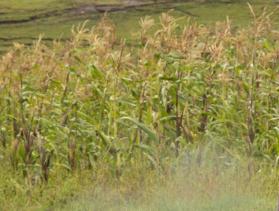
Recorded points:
(95,104)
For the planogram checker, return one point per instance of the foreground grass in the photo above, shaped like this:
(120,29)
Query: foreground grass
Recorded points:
(213,182)
(215,185)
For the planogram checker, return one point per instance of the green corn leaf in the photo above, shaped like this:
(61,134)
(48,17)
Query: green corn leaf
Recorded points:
(143,127)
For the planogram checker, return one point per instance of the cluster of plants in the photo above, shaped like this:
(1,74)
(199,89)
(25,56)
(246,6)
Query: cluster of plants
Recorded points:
(95,102)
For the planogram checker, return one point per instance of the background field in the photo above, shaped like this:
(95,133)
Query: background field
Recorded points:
(23,21)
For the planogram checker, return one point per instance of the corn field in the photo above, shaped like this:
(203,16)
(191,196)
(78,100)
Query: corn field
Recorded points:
(97,102)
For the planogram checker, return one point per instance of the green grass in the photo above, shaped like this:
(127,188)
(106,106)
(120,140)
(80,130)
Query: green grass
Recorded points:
(167,200)
(210,187)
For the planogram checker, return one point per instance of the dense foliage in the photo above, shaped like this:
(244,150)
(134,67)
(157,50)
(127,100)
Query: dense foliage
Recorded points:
(95,103)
